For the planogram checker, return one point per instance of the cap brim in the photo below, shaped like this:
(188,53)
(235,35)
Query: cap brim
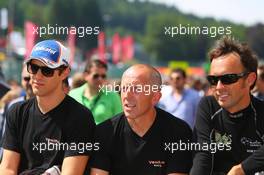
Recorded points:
(43,60)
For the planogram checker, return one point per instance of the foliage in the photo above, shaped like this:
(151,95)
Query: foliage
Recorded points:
(145,20)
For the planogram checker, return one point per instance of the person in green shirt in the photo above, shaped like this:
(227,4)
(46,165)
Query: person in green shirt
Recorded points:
(102,103)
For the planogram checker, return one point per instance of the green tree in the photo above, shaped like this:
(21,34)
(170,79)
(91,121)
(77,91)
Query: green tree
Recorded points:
(179,47)
(255,37)
(190,46)
(81,13)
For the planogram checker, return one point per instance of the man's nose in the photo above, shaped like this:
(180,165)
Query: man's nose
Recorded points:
(219,85)
(128,92)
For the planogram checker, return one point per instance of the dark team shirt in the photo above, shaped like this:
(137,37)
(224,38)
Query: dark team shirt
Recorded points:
(243,131)
(44,140)
(123,152)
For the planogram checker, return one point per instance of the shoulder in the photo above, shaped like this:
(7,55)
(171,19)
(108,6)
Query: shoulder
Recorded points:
(74,117)
(172,123)
(77,91)
(111,127)
(192,92)
(19,99)
(110,94)
(258,105)
(77,110)
(209,102)
(72,103)
(166,90)
(112,123)
(19,104)
(258,102)
(207,109)
(17,110)
(75,105)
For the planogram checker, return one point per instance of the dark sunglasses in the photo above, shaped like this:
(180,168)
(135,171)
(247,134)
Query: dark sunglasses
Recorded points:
(226,79)
(26,79)
(96,76)
(46,71)
(175,78)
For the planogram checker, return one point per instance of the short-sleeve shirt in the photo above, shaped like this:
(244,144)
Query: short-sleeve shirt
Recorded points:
(44,140)
(185,108)
(122,151)
(104,105)
(241,135)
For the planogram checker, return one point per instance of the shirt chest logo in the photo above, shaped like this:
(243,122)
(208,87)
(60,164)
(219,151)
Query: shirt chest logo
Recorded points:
(250,144)
(157,163)
(225,138)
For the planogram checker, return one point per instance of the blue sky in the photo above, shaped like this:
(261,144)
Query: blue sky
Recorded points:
(247,12)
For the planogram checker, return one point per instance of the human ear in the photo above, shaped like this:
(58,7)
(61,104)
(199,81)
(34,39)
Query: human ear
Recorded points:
(156,97)
(251,78)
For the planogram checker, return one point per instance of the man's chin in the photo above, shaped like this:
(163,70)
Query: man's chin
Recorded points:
(223,104)
(129,115)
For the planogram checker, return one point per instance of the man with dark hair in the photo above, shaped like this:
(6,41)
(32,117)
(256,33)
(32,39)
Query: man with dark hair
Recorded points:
(94,63)
(134,142)
(178,100)
(232,119)
(100,100)
(46,133)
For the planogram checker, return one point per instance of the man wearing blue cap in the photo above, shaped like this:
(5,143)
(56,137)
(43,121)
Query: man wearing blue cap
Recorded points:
(50,133)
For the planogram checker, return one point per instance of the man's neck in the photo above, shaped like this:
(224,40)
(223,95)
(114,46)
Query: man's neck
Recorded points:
(142,124)
(29,94)
(49,102)
(241,105)
(178,91)
(90,92)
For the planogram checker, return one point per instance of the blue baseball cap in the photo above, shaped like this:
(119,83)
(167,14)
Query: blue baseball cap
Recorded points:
(50,52)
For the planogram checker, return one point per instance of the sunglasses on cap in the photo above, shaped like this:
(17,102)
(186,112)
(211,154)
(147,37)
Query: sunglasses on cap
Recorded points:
(97,76)
(226,79)
(46,71)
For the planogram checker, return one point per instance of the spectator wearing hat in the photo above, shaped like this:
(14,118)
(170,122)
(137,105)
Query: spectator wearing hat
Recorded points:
(46,131)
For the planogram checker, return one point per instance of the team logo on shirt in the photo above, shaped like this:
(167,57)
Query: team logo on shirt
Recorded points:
(53,141)
(157,163)
(250,144)
(224,139)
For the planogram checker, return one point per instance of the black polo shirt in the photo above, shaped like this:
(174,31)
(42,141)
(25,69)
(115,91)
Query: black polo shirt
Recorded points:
(243,131)
(122,151)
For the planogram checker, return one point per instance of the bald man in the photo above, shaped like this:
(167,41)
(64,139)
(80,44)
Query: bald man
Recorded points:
(143,140)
